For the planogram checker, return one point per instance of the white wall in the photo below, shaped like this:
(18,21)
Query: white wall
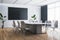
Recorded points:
(31,10)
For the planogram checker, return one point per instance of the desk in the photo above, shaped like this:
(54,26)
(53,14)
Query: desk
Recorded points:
(36,23)
(36,27)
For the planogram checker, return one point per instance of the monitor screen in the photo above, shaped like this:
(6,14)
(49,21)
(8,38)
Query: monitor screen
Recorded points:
(17,13)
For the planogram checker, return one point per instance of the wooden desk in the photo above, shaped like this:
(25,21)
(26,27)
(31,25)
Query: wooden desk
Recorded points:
(36,27)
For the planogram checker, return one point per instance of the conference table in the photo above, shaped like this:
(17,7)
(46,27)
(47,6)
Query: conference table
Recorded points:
(36,27)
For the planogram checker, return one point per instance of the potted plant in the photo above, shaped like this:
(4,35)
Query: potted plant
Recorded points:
(1,16)
(3,20)
(33,17)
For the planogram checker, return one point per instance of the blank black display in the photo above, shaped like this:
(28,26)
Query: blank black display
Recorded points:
(17,13)
(44,13)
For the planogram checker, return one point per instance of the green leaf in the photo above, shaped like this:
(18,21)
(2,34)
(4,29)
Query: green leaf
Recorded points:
(1,16)
(33,16)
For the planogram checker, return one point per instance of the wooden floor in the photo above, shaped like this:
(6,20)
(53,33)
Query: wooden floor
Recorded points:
(9,34)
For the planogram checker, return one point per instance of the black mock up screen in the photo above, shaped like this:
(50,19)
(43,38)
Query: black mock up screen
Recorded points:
(17,13)
(44,13)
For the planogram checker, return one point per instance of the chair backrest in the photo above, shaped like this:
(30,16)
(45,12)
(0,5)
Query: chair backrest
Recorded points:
(56,24)
(22,24)
(48,23)
(14,24)
(18,23)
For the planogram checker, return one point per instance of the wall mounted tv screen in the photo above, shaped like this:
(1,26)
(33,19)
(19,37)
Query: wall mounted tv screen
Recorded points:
(17,13)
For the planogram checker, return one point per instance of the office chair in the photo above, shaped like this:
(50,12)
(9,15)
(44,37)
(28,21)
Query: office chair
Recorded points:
(24,28)
(16,27)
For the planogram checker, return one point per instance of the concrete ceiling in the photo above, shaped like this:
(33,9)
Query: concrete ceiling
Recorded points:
(29,2)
